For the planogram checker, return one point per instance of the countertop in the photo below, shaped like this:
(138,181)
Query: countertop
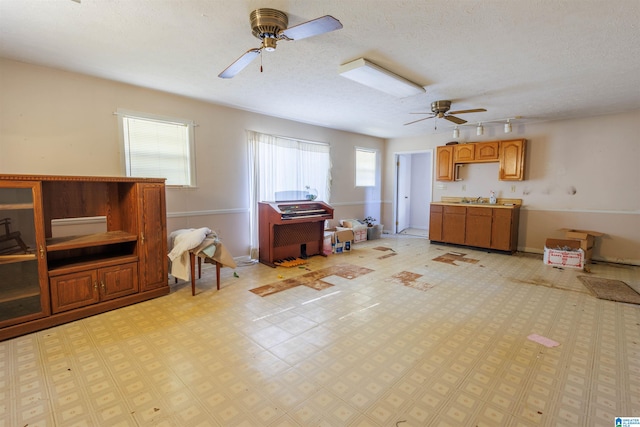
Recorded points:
(501,203)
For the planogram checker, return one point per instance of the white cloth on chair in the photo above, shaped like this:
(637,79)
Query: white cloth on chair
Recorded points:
(181,242)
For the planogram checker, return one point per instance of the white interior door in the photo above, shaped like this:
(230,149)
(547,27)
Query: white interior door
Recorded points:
(403,203)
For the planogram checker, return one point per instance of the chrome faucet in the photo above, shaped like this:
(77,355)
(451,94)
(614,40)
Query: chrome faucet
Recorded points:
(479,199)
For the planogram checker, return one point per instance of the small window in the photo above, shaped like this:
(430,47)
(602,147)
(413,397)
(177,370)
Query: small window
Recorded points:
(365,167)
(158,147)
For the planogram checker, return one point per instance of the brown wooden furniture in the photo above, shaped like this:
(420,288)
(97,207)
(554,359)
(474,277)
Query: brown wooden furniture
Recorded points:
(509,154)
(483,226)
(291,229)
(70,277)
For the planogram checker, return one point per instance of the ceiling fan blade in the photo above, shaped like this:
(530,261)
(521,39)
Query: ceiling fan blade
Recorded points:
(454,119)
(419,120)
(475,110)
(432,115)
(317,26)
(240,63)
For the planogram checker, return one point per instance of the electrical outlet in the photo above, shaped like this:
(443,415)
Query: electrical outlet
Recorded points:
(513,188)
(464,187)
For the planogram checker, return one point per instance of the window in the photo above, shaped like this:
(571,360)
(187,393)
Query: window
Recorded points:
(158,147)
(365,167)
(280,165)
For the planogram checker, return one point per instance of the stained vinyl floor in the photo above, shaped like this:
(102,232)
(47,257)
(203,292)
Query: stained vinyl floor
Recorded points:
(397,332)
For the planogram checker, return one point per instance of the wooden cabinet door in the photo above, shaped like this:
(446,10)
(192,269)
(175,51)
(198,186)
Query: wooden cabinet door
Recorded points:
(435,223)
(512,160)
(153,236)
(24,281)
(464,153)
(74,290)
(453,224)
(487,151)
(502,230)
(118,281)
(478,227)
(444,163)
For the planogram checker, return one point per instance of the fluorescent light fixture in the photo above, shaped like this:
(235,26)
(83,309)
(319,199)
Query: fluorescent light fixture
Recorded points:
(376,77)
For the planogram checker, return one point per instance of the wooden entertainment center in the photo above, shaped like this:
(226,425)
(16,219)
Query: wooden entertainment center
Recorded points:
(63,278)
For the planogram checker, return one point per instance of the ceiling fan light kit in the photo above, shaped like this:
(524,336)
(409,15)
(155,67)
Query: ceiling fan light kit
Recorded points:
(374,76)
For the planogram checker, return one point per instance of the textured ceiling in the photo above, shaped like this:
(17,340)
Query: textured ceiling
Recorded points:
(540,59)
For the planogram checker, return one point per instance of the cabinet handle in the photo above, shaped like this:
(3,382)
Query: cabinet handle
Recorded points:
(102,284)
(95,285)
(41,252)
(142,237)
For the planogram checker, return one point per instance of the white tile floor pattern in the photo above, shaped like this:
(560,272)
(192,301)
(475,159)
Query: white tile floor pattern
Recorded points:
(450,349)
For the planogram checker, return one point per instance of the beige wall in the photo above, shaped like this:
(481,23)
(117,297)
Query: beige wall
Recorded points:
(582,173)
(60,123)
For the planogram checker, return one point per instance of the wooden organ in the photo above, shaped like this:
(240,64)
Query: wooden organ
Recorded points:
(291,229)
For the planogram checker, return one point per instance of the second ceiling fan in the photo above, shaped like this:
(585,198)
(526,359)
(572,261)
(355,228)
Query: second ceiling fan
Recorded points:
(269,26)
(440,110)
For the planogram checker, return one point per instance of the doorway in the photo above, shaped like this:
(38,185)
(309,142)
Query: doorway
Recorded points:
(413,192)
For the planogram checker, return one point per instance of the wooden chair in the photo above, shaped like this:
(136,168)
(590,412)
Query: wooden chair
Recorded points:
(20,245)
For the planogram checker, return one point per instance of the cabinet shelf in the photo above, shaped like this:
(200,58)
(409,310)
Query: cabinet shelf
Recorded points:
(16,294)
(15,206)
(89,240)
(9,259)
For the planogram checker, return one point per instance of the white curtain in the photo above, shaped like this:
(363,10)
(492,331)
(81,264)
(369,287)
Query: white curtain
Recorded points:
(284,164)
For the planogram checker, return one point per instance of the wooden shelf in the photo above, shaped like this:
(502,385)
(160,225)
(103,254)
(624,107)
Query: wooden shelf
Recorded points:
(16,294)
(14,206)
(10,259)
(89,240)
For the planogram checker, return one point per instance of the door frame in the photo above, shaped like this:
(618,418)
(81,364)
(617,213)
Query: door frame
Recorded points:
(396,156)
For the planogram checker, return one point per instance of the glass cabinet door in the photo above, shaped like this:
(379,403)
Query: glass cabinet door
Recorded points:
(23,288)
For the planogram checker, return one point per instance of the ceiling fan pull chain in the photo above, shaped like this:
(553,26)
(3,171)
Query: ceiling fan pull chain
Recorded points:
(260,63)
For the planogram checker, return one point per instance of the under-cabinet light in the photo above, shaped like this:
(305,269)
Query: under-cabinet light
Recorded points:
(372,75)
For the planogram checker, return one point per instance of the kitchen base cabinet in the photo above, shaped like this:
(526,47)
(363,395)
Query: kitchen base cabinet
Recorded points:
(58,278)
(487,226)
(453,224)
(478,227)
(435,222)
(504,229)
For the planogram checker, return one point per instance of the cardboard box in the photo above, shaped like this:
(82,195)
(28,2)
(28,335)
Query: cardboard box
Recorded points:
(359,233)
(359,229)
(565,253)
(585,237)
(341,241)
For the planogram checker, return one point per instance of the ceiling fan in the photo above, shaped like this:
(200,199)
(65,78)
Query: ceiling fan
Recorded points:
(270,25)
(440,110)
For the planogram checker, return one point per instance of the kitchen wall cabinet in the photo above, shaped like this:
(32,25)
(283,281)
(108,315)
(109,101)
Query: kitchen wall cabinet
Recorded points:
(444,163)
(512,160)
(487,151)
(62,278)
(464,153)
(486,226)
(509,154)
